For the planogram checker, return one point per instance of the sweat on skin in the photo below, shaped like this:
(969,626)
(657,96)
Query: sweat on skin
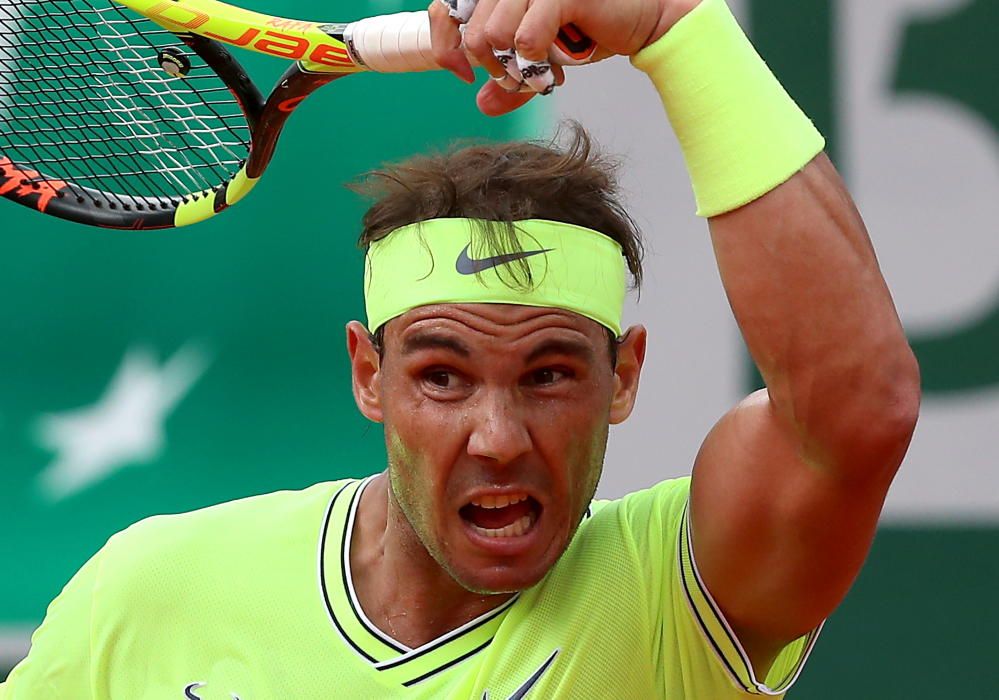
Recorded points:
(489,424)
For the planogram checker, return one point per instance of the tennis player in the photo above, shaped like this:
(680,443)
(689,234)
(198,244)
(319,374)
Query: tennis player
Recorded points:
(477,564)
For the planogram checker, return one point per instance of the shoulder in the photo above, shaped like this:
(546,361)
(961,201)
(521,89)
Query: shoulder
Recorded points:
(613,576)
(227,536)
(633,533)
(232,519)
(637,533)
(658,507)
(200,578)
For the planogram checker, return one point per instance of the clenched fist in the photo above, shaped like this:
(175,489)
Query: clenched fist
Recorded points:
(511,38)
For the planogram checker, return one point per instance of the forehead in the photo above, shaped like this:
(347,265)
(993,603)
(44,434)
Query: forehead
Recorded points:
(496,327)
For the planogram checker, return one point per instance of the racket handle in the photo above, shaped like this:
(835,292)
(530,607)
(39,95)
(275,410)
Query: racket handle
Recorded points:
(396,43)
(400,43)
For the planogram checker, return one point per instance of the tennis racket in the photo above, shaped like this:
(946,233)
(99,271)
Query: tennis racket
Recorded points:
(134,114)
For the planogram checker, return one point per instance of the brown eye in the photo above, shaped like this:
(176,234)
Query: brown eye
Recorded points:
(547,376)
(440,379)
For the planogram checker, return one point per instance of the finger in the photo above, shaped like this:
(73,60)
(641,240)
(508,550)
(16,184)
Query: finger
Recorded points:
(511,80)
(445,42)
(572,47)
(460,10)
(559,80)
(537,30)
(537,74)
(477,44)
(493,101)
(501,26)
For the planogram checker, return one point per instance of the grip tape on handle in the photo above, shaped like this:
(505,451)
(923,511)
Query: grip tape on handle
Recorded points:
(400,43)
(396,43)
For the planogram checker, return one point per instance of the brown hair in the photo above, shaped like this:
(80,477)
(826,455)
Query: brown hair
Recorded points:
(502,183)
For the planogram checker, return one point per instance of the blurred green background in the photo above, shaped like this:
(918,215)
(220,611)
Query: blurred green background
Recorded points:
(245,314)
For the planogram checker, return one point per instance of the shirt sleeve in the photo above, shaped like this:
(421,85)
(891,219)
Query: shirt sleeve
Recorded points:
(706,624)
(58,666)
(700,656)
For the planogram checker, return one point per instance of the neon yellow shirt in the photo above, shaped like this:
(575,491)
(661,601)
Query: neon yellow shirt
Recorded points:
(252,600)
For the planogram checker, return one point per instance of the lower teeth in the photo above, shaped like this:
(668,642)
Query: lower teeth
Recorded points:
(515,529)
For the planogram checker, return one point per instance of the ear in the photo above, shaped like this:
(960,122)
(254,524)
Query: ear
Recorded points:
(364,366)
(630,357)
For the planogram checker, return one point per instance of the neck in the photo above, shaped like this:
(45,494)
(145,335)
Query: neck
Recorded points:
(384,551)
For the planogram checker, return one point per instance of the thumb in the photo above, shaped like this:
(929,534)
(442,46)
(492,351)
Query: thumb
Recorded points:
(494,101)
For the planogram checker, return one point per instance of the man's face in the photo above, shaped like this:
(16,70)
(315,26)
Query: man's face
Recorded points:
(496,421)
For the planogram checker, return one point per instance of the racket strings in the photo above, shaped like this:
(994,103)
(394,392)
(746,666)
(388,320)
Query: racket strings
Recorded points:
(67,154)
(84,100)
(117,99)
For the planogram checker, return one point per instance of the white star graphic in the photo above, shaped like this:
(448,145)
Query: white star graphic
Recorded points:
(124,427)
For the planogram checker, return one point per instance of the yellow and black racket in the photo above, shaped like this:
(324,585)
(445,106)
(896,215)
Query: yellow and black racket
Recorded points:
(134,115)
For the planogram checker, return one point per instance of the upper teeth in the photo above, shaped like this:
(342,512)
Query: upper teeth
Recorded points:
(498,501)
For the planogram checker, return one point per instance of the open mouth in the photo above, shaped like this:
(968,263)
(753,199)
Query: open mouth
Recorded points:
(505,515)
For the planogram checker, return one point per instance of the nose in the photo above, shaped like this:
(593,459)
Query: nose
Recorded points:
(498,432)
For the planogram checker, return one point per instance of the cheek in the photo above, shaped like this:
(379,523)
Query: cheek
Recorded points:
(586,443)
(592,462)
(421,435)
(574,435)
(403,460)
(411,482)
(419,455)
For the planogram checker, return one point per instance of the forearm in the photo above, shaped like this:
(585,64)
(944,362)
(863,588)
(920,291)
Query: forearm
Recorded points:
(804,284)
(793,253)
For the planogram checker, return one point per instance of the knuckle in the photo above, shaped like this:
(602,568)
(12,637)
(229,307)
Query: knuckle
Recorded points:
(498,37)
(528,45)
(436,11)
(476,42)
(440,55)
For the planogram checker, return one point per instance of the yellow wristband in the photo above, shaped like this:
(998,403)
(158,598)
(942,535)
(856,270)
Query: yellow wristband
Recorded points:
(741,133)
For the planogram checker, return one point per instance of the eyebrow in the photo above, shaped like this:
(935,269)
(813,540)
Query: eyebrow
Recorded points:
(437,341)
(573,348)
(434,341)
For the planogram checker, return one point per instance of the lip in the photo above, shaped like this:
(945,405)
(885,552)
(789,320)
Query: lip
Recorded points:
(504,546)
(478,494)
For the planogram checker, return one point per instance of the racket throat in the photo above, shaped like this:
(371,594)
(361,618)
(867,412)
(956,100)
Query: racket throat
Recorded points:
(293,87)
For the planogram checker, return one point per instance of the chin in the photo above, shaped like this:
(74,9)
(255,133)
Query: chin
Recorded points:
(509,577)
(497,585)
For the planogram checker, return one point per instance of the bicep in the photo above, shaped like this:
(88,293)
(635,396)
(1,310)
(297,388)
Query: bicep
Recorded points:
(778,538)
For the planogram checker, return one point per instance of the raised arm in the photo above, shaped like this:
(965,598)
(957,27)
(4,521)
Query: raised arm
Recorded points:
(788,486)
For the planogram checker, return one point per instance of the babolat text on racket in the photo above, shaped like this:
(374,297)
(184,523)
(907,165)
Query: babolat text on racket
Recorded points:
(134,114)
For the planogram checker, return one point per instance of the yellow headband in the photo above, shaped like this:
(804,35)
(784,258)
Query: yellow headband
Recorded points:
(447,261)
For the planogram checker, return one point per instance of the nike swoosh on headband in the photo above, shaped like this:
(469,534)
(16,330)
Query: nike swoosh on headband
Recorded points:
(467,266)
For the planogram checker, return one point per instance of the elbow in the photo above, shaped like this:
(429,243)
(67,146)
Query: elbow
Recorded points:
(861,421)
(885,420)
(904,398)
(908,394)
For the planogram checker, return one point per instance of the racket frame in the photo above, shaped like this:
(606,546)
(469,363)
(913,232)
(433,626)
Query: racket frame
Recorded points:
(321,52)
(86,205)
